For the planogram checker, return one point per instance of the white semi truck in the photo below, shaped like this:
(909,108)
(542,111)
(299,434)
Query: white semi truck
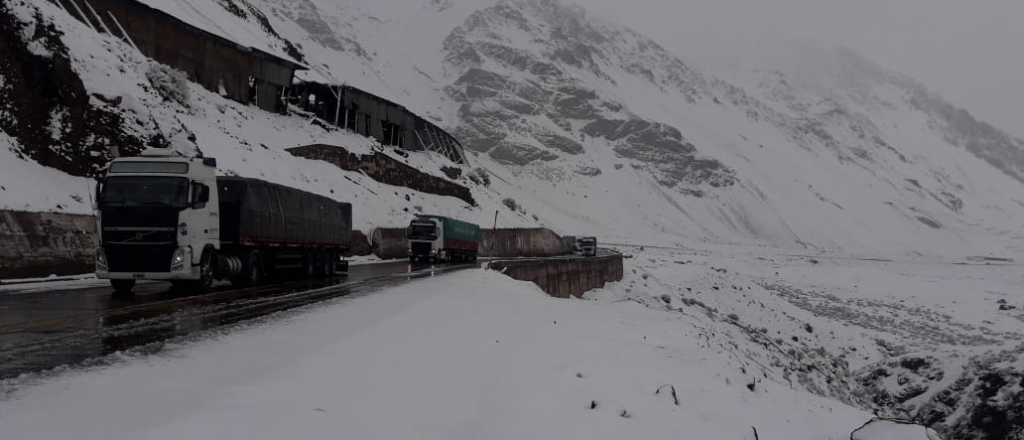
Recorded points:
(439,238)
(588,246)
(162,216)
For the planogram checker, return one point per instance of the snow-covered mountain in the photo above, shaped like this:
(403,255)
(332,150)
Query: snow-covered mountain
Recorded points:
(593,127)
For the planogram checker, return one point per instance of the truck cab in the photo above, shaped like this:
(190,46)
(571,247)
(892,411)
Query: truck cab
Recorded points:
(439,238)
(426,239)
(157,218)
(588,246)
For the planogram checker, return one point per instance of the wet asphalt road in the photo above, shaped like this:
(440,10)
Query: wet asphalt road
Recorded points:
(42,330)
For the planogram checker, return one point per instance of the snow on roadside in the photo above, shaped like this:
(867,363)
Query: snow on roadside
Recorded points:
(929,339)
(20,287)
(457,357)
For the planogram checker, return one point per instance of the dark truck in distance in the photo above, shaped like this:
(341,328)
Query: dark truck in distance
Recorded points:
(165,217)
(439,238)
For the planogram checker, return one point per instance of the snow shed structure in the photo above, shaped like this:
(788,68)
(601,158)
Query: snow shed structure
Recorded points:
(218,62)
(373,116)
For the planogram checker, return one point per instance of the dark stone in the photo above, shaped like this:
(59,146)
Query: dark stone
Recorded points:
(40,86)
(385,169)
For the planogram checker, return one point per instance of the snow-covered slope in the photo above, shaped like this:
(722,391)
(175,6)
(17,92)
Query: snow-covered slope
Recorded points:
(245,140)
(594,128)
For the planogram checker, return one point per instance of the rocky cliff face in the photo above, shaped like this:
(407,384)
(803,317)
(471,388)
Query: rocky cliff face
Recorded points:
(531,82)
(45,105)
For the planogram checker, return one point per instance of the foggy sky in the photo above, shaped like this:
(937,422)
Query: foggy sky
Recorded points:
(970,51)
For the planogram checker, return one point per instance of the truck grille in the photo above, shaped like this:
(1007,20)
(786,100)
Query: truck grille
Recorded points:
(139,258)
(421,248)
(136,236)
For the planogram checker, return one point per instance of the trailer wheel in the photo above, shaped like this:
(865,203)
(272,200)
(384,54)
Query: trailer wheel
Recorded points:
(321,263)
(123,287)
(309,263)
(331,265)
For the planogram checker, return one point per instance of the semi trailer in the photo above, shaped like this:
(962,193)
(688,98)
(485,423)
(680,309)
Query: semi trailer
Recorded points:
(162,216)
(438,238)
(570,242)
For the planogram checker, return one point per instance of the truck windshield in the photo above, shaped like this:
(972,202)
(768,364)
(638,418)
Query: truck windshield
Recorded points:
(423,232)
(129,191)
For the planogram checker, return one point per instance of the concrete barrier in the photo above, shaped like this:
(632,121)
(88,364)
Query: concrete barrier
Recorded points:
(360,244)
(38,244)
(527,242)
(567,276)
(389,243)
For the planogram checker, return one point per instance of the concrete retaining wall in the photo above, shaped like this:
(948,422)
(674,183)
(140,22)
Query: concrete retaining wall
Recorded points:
(37,244)
(565,277)
(384,169)
(531,242)
(390,243)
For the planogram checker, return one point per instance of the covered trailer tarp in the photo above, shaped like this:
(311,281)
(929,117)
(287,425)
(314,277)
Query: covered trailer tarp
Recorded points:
(257,212)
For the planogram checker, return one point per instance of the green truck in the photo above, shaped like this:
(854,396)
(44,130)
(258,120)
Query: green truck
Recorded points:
(439,238)
(569,240)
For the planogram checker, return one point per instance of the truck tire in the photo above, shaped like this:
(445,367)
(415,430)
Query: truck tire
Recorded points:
(321,263)
(331,264)
(308,264)
(252,270)
(123,287)
(206,273)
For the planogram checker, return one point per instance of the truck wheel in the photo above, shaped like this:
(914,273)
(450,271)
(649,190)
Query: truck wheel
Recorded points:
(123,287)
(206,272)
(252,271)
(331,264)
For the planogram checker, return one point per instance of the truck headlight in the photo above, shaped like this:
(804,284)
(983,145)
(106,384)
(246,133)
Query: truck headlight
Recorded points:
(178,259)
(101,259)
